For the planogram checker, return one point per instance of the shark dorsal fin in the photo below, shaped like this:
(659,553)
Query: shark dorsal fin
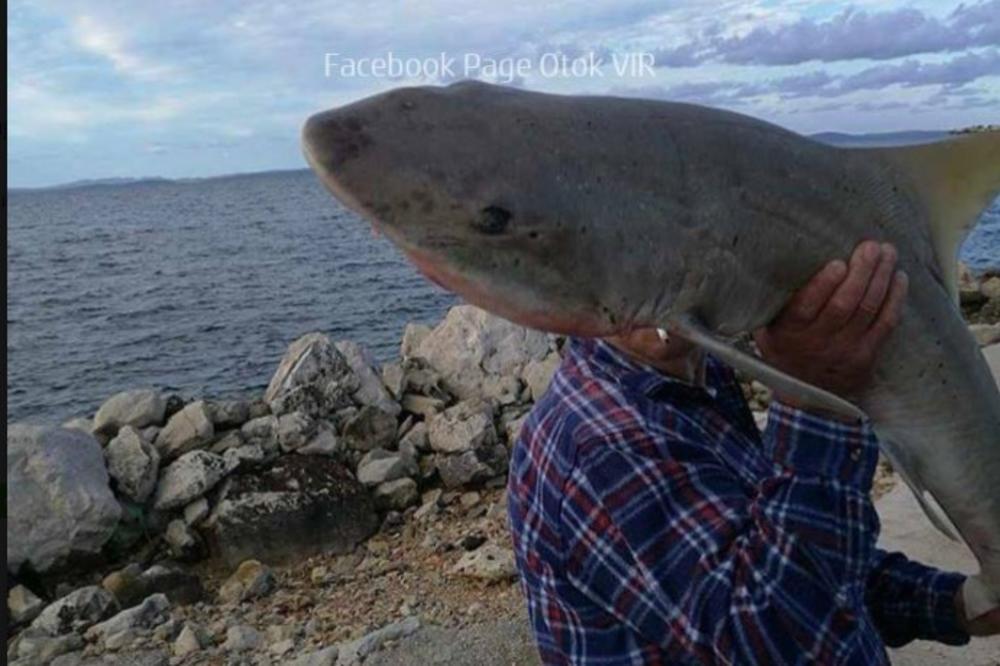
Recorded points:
(956,179)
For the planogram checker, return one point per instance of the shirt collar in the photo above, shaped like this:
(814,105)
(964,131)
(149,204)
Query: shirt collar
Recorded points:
(631,373)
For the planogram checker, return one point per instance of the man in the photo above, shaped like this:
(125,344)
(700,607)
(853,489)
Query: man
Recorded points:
(653,522)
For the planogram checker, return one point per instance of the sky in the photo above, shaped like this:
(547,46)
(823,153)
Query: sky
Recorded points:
(188,88)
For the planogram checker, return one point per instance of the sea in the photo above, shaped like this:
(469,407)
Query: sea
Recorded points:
(197,287)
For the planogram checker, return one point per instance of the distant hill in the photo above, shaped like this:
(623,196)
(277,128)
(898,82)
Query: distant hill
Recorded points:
(843,140)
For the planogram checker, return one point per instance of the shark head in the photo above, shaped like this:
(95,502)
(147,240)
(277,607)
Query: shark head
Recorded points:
(448,177)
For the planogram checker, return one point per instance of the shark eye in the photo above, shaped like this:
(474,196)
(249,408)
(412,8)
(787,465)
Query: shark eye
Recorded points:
(492,220)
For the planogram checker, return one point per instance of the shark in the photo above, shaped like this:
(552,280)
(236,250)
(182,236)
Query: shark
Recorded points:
(594,215)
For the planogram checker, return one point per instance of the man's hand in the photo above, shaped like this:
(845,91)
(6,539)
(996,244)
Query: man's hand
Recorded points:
(831,330)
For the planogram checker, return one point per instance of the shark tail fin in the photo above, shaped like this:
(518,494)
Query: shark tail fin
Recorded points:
(956,179)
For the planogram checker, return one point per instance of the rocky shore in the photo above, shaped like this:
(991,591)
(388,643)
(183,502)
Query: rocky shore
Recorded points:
(353,513)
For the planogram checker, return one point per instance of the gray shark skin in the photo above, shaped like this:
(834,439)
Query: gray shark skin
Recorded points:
(592,215)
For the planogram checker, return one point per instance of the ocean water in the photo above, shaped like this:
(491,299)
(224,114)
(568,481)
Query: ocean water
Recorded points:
(199,286)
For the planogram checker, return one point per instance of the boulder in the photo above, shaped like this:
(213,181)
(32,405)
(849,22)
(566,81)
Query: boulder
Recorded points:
(23,605)
(393,378)
(985,334)
(261,430)
(241,638)
(138,408)
(196,511)
(323,443)
(131,585)
(353,653)
(228,413)
(538,374)
(250,581)
(299,506)
(76,611)
(371,390)
(80,423)
(191,639)
(188,478)
(294,430)
(470,344)
(133,463)
(59,500)
(462,427)
(413,336)
(416,437)
(153,610)
(188,429)
(245,457)
(422,405)
(184,543)
(379,469)
(312,377)
(323,657)
(488,562)
(38,648)
(477,466)
(370,428)
(396,495)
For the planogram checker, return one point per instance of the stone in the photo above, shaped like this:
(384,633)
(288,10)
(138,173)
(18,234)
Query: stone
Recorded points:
(355,652)
(985,334)
(138,408)
(154,610)
(260,430)
(470,344)
(133,463)
(398,494)
(196,511)
(187,430)
(416,437)
(241,638)
(323,443)
(422,379)
(422,405)
(488,562)
(323,657)
(312,377)
(23,605)
(298,507)
(192,638)
(392,467)
(250,581)
(282,647)
(80,423)
(990,288)
(294,430)
(59,500)
(33,648)
(394,379)
(462,427)
(413,336)
(76,611)
(230,439)
(471,467)
(131,585)
(188,478)
(500,389)
(184,543)
(371,390)
(370,428)
(512,429)
(469,499)
(244,457)
(228,413)
(538,374)
(167,631)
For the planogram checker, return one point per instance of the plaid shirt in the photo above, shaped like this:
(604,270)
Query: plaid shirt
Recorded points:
(653,523)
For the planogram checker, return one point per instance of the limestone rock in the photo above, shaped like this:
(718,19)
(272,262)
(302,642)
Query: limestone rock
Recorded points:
(80,423)
(463,427)
(131,585)
(470,344)
(355,652)
(244,457)
(312,377)
(133,463)
(389,467)
(228,413)
(294,430)
(986,334)
(154,610)
(191,639)
(323,443)
(76,611)
(37,648)
(58,496)
(186,430)
(371,390)
(261,430)
(188,478)
(488,562)
(23,605)
(413,336)
(184,543)
(422,405)
(250,581)
(416,437)
(471,466)
(397,495)
(196,511)
(229,439)
(370,428)
(324,657)
(241,638)
(299,506)
(137,408)
(538,374)
(393,378)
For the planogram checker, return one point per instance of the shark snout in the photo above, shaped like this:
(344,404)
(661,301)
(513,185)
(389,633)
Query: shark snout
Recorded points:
(332,139)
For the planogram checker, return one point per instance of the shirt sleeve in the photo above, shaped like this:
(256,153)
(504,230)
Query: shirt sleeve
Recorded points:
(693,557)
(908,601)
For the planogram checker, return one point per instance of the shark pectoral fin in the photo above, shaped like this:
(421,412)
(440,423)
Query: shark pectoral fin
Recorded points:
(926,500)
(806,394)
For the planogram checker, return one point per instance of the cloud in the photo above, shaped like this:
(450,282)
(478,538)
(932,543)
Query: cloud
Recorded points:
(849,35)
(103,40)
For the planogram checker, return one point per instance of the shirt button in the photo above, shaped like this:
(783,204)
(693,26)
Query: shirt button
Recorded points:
(841,599)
